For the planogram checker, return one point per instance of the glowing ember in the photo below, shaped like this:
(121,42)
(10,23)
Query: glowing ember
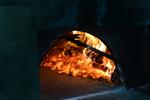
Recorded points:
(67,57)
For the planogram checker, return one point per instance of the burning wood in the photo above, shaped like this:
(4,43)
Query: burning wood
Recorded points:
(67,57)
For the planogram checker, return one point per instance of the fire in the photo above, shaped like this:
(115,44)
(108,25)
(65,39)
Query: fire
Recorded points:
(67,57)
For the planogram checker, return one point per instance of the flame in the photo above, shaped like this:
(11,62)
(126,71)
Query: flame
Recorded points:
(67,57)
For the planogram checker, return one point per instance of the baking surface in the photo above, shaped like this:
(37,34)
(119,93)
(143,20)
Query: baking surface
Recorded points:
(59,86)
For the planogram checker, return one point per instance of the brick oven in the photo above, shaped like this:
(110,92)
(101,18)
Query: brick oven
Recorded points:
(125,36)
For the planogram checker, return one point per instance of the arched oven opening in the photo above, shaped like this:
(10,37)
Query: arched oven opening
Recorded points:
(81,61)
(82,54)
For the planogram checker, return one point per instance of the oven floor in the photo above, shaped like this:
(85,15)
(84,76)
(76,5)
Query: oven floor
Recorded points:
(54,86)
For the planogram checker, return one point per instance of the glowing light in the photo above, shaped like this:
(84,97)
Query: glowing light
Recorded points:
(67,57)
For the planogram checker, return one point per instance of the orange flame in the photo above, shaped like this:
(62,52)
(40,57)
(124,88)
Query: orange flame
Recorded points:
(67,57)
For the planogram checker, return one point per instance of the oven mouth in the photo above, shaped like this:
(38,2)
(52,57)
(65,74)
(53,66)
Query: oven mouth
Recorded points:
(95,54)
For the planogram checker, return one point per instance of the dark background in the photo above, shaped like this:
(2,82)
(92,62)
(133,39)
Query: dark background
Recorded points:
(28,26)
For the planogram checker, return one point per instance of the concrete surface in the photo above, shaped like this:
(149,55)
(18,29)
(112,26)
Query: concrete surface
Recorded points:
(56,86)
